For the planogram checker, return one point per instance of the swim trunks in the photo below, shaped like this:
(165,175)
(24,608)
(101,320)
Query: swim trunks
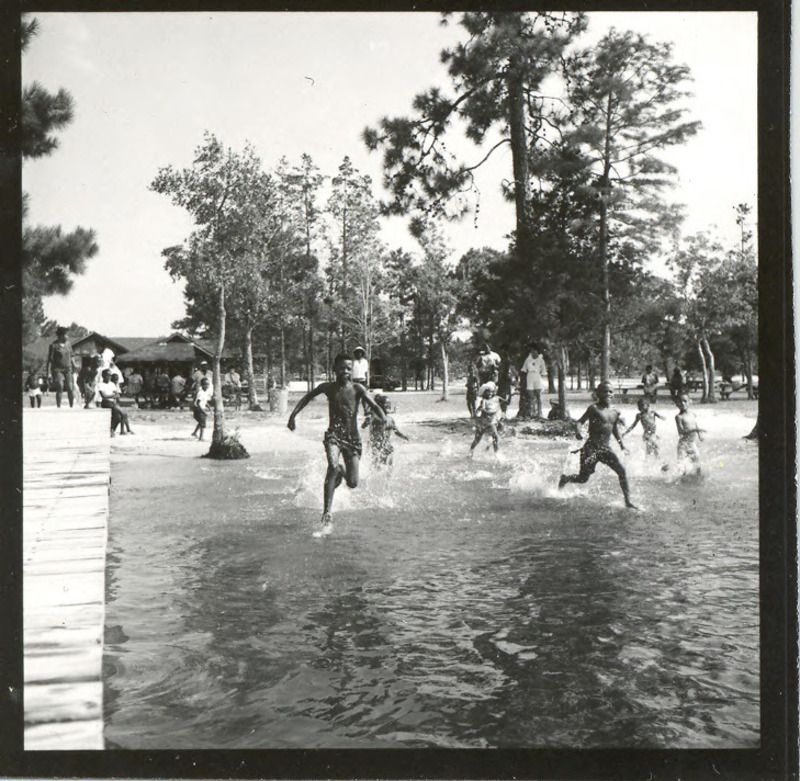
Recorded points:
(348,443)
(592,452)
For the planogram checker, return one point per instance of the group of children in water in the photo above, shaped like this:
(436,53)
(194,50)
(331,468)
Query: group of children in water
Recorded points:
(342,440)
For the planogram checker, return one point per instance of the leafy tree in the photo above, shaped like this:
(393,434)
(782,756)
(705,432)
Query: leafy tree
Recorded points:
(222,190)
(438,289)
(624,106)
(301,186)
(354,271)
(51,258)
(496,75)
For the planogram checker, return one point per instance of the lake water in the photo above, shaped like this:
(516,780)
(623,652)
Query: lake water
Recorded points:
(458,603)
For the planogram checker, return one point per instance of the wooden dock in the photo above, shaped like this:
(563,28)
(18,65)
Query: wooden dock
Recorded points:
(66,476)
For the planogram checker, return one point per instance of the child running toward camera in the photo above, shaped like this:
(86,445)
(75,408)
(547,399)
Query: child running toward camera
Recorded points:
(380,432)
(604,421)
(341,438)
(487,413)
(689,434)
(647,417)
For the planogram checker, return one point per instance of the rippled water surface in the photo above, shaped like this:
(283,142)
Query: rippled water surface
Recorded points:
(458,603)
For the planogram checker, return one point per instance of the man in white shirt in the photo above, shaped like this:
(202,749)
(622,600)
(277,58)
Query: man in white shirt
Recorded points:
(534,369)
(361,367)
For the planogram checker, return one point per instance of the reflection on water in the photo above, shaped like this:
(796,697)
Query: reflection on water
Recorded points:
(457,604)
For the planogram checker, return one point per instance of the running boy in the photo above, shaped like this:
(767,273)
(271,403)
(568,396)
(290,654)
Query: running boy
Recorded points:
(688,434)
(647,418)
(488,413)
(380,432)
(604,421)
(342,436)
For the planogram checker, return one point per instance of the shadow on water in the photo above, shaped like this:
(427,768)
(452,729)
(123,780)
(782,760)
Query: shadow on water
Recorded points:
(458,604)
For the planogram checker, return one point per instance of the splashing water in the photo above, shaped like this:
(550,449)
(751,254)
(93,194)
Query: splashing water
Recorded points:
(458,602)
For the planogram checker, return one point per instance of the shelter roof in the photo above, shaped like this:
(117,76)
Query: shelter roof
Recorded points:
(175,348)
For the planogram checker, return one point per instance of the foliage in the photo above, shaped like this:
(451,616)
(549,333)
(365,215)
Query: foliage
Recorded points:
(51,258)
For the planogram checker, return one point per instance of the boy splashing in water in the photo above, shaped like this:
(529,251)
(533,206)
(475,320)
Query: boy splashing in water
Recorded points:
(488,413)
(647,417)
(688,436)
(342,436)
(604,421)
(380,433)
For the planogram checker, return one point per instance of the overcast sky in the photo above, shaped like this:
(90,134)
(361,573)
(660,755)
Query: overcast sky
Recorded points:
(146,87)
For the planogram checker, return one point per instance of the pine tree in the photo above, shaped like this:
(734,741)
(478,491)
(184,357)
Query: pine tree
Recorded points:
(625,100)
(51,258)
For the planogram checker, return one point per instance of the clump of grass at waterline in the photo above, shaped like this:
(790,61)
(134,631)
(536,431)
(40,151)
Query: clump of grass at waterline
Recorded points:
(227,449)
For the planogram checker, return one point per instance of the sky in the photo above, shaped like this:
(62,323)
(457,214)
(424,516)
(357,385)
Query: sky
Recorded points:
(146,86)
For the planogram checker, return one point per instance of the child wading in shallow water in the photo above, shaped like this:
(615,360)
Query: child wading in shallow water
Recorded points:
(380,432)
(342,436)
(604,421)
(647,417)
(688,435)
(488,414)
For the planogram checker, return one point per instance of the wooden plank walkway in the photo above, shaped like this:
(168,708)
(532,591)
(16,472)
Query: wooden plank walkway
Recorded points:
(66,475)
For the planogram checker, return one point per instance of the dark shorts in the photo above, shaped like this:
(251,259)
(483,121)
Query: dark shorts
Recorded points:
(63,380)
(591,453)
(201,416)
(348,444)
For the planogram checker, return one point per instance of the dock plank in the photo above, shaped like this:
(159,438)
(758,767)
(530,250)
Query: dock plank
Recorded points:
(66,478)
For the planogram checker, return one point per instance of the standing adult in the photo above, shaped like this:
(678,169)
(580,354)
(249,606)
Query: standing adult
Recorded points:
(135,386)
(202,372)
(361,367)
(534,369)
(234,381)
(677,384)
(177,390)
(361,371)
(163,384)
(650,384)
(60,366)
(488,362)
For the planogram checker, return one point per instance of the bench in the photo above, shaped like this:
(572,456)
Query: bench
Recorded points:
(728,388)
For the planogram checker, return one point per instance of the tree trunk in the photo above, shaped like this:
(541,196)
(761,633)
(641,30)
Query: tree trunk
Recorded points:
(222,446)
(252,396)
(305,355)
(562,391)
(219,412)
(283,356)
(403,366)
(312,361)
(270,378)
(552,373)
(580,378)
(705,371)
(605,356)
(748,369)
(712,380)
(445,370)
(519,156)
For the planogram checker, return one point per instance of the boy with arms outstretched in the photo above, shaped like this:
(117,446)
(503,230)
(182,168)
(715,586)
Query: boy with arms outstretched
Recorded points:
(342,437)
(647,417)
(604,421)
